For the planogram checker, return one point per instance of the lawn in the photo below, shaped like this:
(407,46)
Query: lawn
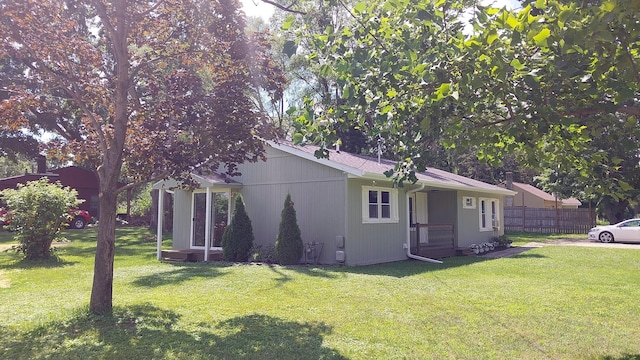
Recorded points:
(551,302)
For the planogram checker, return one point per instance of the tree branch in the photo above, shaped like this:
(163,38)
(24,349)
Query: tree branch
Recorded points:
(284,8)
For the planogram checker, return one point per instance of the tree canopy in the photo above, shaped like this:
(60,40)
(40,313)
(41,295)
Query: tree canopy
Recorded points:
(150,89)
(548,82)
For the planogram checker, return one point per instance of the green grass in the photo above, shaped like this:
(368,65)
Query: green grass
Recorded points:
(547,303)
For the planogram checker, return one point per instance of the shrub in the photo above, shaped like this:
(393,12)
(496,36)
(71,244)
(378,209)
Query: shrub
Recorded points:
(39,210)
(237,238)
(289,245)
(502,241)
(264,253)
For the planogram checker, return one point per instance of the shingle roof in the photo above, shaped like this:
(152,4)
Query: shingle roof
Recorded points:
(544,195)
(369,167)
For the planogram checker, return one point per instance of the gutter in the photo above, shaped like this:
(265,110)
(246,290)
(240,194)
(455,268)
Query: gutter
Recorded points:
(409,254)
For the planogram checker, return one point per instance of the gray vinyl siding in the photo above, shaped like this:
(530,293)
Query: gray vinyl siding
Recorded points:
(181,219)
(373,243)
(317,191)
(470,233)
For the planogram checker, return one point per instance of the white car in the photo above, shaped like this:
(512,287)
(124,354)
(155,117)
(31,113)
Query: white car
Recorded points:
(626,231)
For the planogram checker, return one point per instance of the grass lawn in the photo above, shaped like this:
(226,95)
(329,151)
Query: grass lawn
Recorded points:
(551,302)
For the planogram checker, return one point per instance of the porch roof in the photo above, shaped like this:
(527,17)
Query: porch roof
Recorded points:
(213,180)
(369,168)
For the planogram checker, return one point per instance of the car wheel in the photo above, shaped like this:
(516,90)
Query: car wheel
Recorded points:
(78,223)
(606,237)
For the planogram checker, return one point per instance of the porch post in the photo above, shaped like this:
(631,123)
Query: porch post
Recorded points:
(207,225)
(229,206)
(417,238)
(160,218)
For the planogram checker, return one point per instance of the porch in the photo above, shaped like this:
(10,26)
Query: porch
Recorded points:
(432,240)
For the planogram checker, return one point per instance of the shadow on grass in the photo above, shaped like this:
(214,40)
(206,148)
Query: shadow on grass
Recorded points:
(528,256)
(406,268)
(54,261)
(622,357)
(182,272)
(398,269)
(146,332)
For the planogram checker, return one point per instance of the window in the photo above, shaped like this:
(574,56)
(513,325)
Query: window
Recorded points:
(379,205)
(489,217)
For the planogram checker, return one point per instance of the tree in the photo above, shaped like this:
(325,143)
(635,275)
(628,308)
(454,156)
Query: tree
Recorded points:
(542,82)
(566,95)
(237,238)
(39,210)
(392,70)
(146,89)
(19,165)
(289,246)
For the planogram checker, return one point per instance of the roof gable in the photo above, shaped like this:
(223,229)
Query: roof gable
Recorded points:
(544,195)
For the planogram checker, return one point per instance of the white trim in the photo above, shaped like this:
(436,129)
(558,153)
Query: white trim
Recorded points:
(209,227)
(159,224)
(492,214)
(393,205)
(207,224)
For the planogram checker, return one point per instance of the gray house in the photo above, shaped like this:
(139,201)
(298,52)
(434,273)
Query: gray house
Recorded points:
(347,209)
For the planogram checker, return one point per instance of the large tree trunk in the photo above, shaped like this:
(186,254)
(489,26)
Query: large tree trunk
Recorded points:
(102,291)
(109,170)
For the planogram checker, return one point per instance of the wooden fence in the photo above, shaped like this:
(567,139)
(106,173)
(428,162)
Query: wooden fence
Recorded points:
(547,221)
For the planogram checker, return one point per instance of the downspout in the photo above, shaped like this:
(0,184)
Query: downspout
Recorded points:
(409,254)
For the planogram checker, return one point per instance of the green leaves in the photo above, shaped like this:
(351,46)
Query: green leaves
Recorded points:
(39,211)
(541,37)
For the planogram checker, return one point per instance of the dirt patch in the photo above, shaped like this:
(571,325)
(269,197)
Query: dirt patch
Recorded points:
(585,243)
(4,247)
(61,243)
(509,252)
(560,242)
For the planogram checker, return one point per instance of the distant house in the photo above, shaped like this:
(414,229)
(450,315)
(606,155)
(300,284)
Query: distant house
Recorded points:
(531,196)
(345,203)
(83,180)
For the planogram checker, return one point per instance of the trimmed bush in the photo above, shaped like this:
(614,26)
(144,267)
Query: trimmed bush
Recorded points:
(289,246)
(237,238)
(39,210)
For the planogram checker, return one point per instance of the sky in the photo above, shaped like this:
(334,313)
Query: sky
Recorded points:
(259,9)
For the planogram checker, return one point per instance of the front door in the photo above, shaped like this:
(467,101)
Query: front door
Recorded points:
(199,214)
(217,222)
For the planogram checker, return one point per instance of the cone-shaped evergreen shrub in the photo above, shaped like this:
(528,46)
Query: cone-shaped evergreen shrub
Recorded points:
(289,245)
(237,238)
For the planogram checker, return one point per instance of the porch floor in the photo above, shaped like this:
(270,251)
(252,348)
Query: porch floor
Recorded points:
(190,255)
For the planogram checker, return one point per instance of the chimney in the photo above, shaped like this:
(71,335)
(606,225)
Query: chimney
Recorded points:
(42,164)
(509,181)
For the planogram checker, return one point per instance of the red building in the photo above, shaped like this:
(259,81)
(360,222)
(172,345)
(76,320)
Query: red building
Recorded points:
(83,180)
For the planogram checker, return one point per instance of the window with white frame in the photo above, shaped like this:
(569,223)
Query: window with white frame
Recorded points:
(379,205)
(489,216)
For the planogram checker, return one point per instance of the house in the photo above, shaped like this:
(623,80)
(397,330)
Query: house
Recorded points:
(531,196)
(83,180)
(345,205)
